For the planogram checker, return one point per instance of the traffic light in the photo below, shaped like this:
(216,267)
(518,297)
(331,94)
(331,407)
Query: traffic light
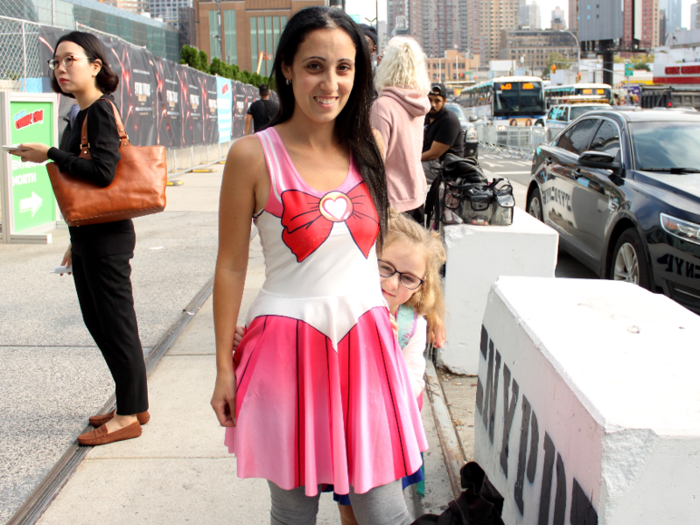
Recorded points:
(554,68)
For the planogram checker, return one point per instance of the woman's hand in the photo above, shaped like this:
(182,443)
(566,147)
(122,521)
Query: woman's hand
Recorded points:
(394,325)
(436,334)
(238,336)
(32,152)
(224,399)
(68,258)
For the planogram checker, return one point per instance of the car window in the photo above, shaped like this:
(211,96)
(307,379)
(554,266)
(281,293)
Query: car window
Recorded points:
(577,111)
(577,138)
(666,144)
(607,139)
(552,112)
(562,114)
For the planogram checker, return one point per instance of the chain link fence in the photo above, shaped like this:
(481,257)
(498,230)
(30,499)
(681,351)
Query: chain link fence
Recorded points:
(20,58)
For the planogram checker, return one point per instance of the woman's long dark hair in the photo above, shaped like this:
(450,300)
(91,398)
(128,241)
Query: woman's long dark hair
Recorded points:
(106,80)
(352,126)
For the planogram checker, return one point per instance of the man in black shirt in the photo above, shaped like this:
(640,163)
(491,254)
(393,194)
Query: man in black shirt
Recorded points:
(443,132)
(261,111)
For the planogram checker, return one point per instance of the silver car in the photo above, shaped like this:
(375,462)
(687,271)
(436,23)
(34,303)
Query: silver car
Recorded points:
(562,115)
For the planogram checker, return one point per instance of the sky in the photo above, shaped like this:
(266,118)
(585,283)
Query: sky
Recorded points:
(367,9)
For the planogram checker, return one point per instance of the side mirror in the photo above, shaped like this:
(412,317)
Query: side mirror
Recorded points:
(599,159)
(473,118)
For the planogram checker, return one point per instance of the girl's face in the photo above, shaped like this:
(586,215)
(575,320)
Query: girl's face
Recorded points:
(322,74)
(406,258)
(81,73)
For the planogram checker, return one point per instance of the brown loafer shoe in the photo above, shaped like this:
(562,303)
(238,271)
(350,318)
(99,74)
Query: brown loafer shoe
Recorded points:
(101,436)
(98,421)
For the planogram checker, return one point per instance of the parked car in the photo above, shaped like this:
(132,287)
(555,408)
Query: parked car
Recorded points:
(561,115)
(471,136)
(623,191)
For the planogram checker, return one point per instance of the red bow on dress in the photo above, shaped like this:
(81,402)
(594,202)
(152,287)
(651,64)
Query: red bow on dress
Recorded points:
(308,220)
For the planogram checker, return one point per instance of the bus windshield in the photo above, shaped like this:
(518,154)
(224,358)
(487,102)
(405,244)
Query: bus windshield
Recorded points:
(606,93)
(517,98)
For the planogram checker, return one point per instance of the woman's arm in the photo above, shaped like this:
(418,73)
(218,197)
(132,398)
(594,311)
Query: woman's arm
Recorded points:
(103,138)
(242,193)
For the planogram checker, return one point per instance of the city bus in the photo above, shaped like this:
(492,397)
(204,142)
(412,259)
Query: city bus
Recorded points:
(583,92)
(514,101)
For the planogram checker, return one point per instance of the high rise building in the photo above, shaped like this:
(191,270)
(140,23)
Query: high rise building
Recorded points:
(674,14)
(694,14)
(573,15)
(168,10)
(650,24)
(558,19)
(487,19)
(534,16)
(437,25)
(133,6)
(523,13)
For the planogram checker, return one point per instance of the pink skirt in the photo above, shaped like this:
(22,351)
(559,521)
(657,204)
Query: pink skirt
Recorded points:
(308,415)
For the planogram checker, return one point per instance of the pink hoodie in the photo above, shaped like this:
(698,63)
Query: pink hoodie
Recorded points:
(398,114)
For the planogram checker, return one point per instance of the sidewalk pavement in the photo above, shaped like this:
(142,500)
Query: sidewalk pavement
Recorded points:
(178,471)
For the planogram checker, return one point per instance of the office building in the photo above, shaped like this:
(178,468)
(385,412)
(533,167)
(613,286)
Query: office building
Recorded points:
(169,10)
(531,49)
(133,6)
(558,20)
(437,25)
(487,20)
(573,15)
(452,66)
(694,14)
(247,31)
(159,38)
(530,16)
(649,35)
(674,14)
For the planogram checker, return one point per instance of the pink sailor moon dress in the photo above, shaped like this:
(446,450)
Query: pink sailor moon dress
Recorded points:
(323,395)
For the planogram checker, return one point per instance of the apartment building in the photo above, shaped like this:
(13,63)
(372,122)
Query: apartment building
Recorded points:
(487,20)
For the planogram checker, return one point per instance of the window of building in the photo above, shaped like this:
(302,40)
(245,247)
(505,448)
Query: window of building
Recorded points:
(214,42)
(231,47)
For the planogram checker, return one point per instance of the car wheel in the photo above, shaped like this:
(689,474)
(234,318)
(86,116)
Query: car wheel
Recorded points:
(534,205)
(629,262)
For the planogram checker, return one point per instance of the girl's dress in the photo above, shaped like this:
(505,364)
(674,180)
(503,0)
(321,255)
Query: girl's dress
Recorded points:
(323,395)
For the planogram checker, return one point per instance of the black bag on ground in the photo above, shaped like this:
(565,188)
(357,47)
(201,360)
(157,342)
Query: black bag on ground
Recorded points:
(479,504)
(456,176)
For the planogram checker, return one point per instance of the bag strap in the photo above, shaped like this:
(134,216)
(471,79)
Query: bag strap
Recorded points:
(123,137)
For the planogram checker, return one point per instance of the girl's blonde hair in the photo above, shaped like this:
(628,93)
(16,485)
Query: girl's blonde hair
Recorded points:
(428,300)
(403,66)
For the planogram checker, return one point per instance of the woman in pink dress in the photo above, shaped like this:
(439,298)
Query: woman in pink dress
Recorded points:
(317,392)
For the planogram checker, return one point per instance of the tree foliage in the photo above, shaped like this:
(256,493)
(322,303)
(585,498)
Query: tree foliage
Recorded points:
(558,60)
(199,60)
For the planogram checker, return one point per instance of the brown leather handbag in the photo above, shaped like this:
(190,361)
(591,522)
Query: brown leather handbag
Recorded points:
(138,187)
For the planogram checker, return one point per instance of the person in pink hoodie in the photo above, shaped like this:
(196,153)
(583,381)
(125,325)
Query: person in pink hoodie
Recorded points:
(398,113)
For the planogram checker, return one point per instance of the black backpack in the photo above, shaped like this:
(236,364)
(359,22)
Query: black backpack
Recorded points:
(479,504)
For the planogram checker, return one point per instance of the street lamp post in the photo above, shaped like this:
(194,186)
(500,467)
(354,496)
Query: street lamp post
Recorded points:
(578,49)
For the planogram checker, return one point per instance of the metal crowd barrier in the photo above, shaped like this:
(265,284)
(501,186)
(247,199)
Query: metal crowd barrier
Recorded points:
(511,141)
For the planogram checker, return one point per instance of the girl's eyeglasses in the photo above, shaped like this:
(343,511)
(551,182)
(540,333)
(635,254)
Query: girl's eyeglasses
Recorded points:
(67,62)
(408,280)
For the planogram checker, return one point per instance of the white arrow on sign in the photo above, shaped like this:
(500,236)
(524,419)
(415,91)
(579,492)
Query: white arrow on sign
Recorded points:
(31,204)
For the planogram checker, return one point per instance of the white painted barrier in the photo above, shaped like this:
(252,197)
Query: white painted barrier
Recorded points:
(476,257)
(588,403)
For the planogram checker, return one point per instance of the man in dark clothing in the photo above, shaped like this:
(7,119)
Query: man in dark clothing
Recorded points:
(261,111)
(443,132)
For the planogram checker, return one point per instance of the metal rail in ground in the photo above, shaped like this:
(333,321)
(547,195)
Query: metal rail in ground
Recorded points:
(42,496)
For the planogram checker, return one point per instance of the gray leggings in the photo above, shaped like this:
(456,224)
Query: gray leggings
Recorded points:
(380,506)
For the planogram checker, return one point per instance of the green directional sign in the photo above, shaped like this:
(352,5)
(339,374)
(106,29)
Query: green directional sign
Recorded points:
(33,202)
(629,70)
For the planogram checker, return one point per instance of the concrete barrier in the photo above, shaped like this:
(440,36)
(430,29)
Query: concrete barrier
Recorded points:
(588,403)
(476,257)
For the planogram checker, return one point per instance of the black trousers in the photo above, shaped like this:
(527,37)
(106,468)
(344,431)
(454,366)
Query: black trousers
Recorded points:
(106,300)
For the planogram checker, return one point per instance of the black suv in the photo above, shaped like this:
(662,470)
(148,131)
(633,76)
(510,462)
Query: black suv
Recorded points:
(623,191)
